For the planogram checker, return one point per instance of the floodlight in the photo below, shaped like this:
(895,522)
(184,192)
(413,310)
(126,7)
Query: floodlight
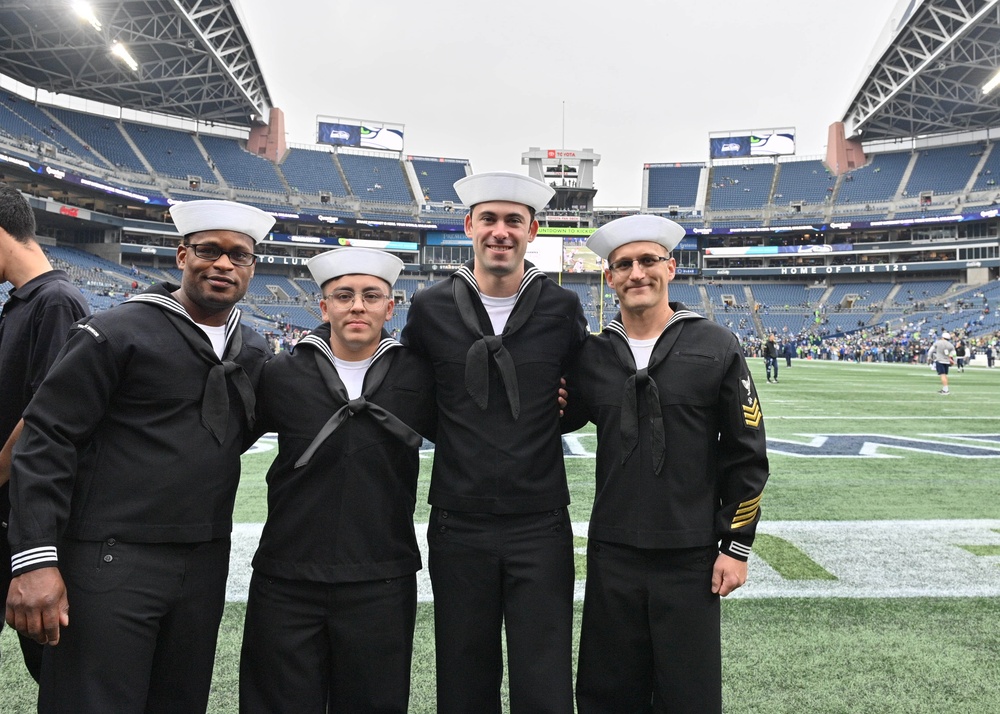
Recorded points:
(83,9)
(121,52)
(993,83)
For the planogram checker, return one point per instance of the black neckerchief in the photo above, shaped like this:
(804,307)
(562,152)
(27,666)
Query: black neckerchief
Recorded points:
(215,398)
(377,370)
(466,291)
(639,378)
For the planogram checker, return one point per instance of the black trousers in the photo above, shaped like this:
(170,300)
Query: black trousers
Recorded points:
(651,638)
(512,571)
(143,622)
(31,651)
(309,648)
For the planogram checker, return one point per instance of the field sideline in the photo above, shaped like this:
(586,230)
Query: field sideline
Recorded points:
(874,583)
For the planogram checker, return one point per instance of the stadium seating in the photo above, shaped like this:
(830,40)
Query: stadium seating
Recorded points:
(50,130)
(437,178)
(103,134)
(876,182)
(740,187)
(943,169)
(240,168)
(312,172)
(376,179)
(806,181)
(170,152)
(780,294)
(673,186)
(988,178)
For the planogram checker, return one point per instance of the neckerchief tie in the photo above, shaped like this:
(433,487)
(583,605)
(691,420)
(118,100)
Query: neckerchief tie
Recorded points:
(376,373)
(640,379)
(477,360)
(215,397)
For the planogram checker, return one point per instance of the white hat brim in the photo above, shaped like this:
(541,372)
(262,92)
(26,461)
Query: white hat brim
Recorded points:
(354,261)
(219,215)
(504,186)
(630,229)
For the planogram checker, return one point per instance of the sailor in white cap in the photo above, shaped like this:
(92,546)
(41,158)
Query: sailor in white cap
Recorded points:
(338,551)
(130,458)
(942,356)
(682,463)
(500,335)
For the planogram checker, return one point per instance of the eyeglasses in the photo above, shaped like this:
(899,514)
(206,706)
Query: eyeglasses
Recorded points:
(207,251)
(645,262)
(344,299)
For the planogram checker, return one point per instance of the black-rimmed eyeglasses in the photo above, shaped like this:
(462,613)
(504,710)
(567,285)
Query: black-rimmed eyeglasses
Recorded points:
(645,262)
(207,251)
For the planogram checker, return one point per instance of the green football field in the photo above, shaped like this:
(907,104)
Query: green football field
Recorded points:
(875,580)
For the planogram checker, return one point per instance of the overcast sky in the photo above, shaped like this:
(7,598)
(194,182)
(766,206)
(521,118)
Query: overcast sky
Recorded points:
(643,81)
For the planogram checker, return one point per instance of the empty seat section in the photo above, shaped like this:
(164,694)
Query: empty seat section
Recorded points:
(104,135)
(170,152)
(943,169)
(878,181)
(740,187)
(673,186)
(240,168)
(312,172)
(806,181)
(375,179)
(437,178)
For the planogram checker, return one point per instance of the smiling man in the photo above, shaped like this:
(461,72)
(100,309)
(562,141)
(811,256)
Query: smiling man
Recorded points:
(681,464)
(124,478)
(499,335)
(333,597)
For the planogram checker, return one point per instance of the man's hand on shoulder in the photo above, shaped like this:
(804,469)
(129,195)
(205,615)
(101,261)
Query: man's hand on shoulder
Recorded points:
(37,606)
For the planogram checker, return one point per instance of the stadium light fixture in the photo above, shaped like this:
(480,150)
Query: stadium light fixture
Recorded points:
(993,83)
(86,12)
(121,52)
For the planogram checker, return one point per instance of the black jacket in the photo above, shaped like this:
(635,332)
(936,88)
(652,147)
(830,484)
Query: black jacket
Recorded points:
(486,461)
(347,514)
(715,464)
(114,445)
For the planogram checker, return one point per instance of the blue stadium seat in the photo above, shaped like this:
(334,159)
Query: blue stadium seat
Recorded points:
(437,178)
(673,186)
(170,152)
(240,168)
(376,179)
(312,172)
(103,134)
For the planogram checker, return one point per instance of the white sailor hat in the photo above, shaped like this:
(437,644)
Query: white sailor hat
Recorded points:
(630,229)
(354,261)
(504,186)
(945,336)
(218,215)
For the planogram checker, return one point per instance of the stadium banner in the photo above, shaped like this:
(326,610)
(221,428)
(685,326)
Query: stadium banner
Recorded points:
(736,145)
(844,270)
(360,134)
(339,134)
(776,250)
(336,242)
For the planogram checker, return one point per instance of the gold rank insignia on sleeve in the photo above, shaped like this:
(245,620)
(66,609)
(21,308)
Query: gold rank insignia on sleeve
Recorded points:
(752,415)
(747,512)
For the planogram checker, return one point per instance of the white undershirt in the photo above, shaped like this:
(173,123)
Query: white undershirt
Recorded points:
(499,309)
(352,374)
(642,350)
(217,335)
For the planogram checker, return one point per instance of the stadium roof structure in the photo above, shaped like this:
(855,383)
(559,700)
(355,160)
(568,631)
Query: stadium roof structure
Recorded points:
(929,77)
(194,56)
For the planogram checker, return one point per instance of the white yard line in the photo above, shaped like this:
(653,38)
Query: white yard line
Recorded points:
(868,558)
